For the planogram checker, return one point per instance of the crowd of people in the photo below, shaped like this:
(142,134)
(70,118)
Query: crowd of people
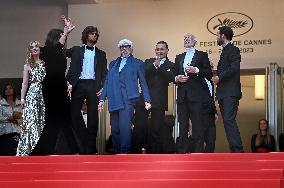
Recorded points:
(49,120)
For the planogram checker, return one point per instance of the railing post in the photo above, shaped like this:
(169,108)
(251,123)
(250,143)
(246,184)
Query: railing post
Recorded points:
(101,139)
(274,99)
(176,126)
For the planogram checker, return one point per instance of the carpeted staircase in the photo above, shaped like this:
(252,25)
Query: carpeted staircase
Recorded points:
(144,171)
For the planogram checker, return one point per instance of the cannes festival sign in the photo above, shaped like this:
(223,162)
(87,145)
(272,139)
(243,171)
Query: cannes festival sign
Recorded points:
(239,22)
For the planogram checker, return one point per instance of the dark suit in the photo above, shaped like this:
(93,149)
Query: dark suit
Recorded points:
(210,131)
(121,89)
(85,89)
(158,80)
(228,93)
(192,98)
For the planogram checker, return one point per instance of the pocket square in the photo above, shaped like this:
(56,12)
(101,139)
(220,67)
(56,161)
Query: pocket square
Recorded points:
(168,70)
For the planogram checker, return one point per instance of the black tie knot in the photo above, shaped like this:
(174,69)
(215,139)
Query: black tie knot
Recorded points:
(89,48)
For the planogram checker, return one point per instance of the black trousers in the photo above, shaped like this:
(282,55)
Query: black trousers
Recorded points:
(8,144)
(209,126)
(195,112)
(85,136)
(210,136)
(148,136)
(229,107)
(57,138)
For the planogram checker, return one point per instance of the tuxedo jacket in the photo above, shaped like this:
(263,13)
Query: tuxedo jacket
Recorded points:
(76,54)
(228,70)
(195,89)
(134,72)
(158,80)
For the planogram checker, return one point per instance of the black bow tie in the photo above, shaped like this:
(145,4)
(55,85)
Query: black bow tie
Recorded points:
(89,48)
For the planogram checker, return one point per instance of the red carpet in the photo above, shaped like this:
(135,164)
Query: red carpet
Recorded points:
(144,171)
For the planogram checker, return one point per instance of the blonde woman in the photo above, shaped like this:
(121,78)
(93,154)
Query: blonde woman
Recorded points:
(262,142)
(32,101)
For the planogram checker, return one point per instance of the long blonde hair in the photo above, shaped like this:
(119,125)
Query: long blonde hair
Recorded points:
(30,60)
(266,139)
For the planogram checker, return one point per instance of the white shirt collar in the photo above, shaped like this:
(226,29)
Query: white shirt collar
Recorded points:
(124,57)
(190,50)
(87,45)
(163,59)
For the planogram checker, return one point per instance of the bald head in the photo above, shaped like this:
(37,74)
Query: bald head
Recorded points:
(189,40)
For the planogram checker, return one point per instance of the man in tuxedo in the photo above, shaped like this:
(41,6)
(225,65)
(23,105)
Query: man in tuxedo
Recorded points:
(122,91)
(228,91)
(86,75)
(157,72)
(191,67)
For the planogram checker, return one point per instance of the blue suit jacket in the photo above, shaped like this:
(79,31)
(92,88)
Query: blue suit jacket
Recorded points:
(134,69)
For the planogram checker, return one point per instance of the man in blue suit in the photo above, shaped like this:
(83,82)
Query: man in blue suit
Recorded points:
(121,89)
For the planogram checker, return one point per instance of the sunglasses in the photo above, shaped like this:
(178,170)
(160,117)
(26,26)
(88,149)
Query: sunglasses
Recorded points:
(125,46)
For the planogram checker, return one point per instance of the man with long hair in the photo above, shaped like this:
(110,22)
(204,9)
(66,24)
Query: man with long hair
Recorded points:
(86,75)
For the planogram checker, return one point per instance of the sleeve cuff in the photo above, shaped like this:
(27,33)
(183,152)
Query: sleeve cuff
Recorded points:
(155,65)
(196,70)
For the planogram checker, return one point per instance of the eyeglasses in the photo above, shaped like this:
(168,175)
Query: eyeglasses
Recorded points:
(125,46)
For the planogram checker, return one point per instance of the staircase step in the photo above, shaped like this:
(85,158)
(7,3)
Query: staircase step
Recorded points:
(141,175)
(144,171)
(136,166)
(145,157)
(164,183)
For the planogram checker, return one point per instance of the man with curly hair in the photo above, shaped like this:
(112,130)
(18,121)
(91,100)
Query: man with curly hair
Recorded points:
(86,75)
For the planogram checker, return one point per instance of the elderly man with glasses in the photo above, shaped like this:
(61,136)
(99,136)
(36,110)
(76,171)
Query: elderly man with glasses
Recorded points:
(122,91)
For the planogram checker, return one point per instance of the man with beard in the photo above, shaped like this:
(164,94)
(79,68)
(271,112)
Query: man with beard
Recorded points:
(157,73)
(122,91)
(228,91)
(86,75)
(191,69)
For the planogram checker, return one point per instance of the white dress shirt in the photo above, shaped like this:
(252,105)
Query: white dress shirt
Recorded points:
(122,63)
(188,57)
(88,68)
